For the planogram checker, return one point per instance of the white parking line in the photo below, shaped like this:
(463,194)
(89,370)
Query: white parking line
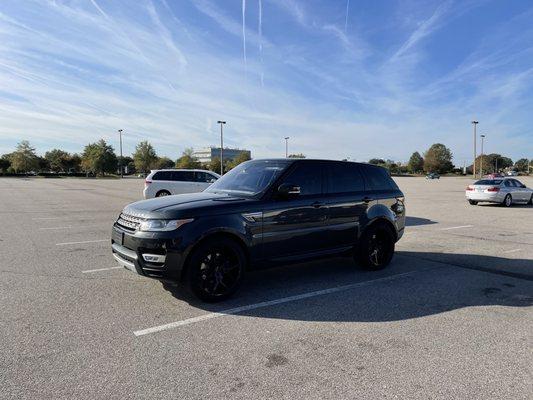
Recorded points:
(99,269)
(511,251)
(237,310)
(85,241)
(457,227)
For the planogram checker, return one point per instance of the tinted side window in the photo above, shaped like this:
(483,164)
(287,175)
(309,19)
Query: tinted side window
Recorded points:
(344,178)
(378,178)
(203,177)
(508,183)
(308,176)
(518,183)
(183,176)
(162,176)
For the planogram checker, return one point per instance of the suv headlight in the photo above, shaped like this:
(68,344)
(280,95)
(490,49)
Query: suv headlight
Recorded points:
(162,225)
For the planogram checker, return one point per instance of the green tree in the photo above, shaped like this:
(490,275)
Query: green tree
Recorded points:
(242,157)
(24,159)
(5,162)
(438,158)
(376,161)
(57,159)
(298,155)
(214,165)
(187,160)
(145,157)
(99,158)
(416,163)
(164,162)
(521,165)
(74,163)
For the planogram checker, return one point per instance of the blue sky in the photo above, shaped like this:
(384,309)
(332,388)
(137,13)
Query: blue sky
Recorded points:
(344,79)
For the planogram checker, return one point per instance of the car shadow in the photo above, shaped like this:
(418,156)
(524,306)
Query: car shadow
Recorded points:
(501,206)
(416,284)
(416,221)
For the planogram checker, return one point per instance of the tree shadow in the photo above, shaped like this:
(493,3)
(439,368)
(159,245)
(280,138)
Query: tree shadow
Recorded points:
(416,284)
(416,221)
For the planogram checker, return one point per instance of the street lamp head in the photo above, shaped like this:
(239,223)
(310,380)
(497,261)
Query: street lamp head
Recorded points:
(221,122)
(482,136)
(120,130)
(287,138)
(475,122)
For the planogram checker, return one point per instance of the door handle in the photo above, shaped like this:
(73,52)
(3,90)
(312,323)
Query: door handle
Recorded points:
(317,204)
(367,199)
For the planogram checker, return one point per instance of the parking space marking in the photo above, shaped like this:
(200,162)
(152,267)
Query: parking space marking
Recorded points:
(85,241)
(457,227)
(511,251)
(100,269)
(264,304)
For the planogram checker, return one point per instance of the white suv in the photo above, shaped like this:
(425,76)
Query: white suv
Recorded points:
(164,182)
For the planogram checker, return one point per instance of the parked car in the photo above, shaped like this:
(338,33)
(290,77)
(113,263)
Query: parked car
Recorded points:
(505,191)
(512,173)
(494,175)
(432,175)
(262,213)
(164,182)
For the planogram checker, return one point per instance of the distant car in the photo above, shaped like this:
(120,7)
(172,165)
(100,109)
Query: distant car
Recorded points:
(432,175)
(505,191)
(165,182)
(512,173)
(494,175)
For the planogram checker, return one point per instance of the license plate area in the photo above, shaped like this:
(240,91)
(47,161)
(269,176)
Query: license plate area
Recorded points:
(118,237)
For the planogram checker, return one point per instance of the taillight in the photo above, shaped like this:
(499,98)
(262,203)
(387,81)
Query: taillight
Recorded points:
(146,183)
(493,189)
(469,188)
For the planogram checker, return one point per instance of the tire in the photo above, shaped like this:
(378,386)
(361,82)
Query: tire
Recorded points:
(162,193)
(215,269)
(376,247)
(531,200)
(472,202)
(508,201)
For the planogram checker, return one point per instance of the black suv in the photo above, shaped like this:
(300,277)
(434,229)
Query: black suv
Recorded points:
(262,213)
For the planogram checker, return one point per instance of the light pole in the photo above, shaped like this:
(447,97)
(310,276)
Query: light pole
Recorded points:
(474,165)
(481,158)
(120,163)
(222,123)
(287,147)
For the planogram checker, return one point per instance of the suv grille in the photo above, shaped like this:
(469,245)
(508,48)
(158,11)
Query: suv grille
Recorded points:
(129,222)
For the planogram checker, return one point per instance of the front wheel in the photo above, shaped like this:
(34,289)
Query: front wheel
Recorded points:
(472,202)
(508,201)
(216,269)
(376,247)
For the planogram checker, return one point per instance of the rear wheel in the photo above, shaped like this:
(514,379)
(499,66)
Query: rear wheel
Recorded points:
(162,193)
(531,200)
(216,269)
(376,247)
(472,202)
(508,201)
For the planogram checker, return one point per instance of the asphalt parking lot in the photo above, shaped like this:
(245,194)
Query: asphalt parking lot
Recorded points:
(451,318)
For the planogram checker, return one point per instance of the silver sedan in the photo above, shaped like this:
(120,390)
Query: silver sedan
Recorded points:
(505,191)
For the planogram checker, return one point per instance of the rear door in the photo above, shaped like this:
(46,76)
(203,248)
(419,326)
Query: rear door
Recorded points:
(203,180)
(345,201)
(295,227)
(183,182)
(521,190)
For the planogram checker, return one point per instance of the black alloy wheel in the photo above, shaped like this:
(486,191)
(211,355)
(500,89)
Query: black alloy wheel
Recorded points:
(376,247)
(216,269)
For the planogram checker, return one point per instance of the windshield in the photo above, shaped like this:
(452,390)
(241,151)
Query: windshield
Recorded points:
(249,178)
(488,182)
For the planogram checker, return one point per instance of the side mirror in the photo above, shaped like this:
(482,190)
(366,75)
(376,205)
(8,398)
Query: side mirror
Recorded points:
(212,180)
(288,190)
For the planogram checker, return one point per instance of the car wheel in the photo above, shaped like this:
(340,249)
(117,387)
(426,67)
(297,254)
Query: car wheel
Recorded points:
(508,201)
(376,247)
(162,193)
(216,269)
(531,200)
(472,202)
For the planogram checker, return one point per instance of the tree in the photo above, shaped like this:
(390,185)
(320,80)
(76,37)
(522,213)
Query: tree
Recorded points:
(5,162)
(438,158)
(74,163)
(57,159)
(187,160)
(298,155)
(99,157)
(24,159)
(521,165)
(241,157)
(145,157)
(416,163)
(164,162)
(376,161)
(214,165)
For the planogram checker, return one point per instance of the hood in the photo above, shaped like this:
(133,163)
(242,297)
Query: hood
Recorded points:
(182,205)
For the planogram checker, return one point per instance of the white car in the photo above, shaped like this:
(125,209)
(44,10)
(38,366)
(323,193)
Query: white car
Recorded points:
(505,191)
(512,173)
(164,182)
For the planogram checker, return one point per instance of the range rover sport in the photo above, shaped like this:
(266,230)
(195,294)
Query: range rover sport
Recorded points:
(262,213)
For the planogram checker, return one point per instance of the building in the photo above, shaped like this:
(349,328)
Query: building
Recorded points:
(206,154)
